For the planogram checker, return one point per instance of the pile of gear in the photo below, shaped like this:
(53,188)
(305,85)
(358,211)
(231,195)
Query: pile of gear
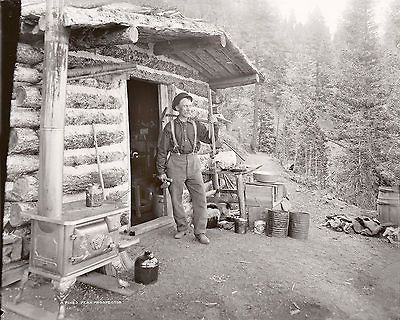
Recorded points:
(364,225)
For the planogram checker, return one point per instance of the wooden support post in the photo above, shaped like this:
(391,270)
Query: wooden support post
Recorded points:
(213,151)
(53,112)
(254,139)
(240,194)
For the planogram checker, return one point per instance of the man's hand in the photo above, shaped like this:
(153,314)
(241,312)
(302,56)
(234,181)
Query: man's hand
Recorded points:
(163,177)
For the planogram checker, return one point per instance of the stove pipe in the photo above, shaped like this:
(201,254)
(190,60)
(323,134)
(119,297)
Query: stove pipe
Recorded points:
(53,112)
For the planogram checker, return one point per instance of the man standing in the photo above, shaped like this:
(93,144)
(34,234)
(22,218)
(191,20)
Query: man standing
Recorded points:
(178,163)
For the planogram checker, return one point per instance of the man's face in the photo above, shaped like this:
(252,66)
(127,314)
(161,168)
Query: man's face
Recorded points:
(184,107)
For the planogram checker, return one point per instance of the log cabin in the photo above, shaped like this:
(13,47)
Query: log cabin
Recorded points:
(123,64)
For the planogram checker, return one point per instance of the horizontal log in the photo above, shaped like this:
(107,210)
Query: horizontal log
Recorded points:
(25,74)
(99,70)
(74,157)
(85,59)
(130,53)
(17,211)
(84,100)
(118,193)
(104,37)
(76,137)
(24,118)
(189,44)
(28,96)
(80,177)
(29,55)
(25,188)
(23,140)
(235,82)
(19,165)
(88,116)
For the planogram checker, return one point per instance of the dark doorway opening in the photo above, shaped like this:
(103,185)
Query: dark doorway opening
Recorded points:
(143,101)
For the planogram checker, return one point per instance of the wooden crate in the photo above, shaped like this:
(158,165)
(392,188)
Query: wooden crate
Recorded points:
(259,195)
(264,194)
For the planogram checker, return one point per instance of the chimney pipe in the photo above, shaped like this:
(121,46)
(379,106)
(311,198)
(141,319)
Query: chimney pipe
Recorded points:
(53,112)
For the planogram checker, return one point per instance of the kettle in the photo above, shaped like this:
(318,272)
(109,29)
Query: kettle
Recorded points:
(146,268)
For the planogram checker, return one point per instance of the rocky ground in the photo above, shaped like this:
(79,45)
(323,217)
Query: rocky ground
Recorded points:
(332,275)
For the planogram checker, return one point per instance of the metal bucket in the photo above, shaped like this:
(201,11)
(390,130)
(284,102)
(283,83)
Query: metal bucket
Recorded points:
(388,205)
(277,223)
(240,225)
(146,268)
(299,224)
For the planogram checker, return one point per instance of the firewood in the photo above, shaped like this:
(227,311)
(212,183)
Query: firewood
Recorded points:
(28,55)
(26,74)
(28,96)
(17,218)
(24,118)
(25,189)
(18,165)
(7,213)
(8,191)
(23,140)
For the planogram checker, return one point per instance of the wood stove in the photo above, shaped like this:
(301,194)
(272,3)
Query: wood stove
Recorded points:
(84,239)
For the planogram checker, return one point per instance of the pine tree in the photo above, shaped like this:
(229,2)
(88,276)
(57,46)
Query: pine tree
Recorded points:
(363,123)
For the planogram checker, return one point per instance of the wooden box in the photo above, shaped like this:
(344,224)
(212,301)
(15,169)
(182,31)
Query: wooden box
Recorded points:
(259,195)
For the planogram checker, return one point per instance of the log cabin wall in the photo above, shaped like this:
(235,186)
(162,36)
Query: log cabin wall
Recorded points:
(101,101)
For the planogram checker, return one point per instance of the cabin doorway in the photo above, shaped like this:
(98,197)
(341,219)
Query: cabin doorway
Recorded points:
(144,124)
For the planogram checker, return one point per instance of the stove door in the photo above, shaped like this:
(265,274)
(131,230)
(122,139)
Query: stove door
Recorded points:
(90,241)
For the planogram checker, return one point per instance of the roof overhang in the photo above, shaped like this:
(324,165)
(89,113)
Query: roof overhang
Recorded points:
(204,47)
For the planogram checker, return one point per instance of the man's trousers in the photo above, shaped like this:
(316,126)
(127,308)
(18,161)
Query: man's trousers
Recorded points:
(185,169)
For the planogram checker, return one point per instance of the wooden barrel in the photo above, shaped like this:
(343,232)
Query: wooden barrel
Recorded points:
(277,223)
(299,224)
(388,205)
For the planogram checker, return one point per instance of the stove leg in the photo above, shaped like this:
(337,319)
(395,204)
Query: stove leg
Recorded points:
(24,280)
(116,265)
(62,289)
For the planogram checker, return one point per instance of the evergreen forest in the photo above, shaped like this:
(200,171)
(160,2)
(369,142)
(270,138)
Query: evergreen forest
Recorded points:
(329,106)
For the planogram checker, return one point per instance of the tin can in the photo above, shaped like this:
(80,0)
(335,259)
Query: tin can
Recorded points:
(146,268)
(240,225)
(259,226)
(94,196)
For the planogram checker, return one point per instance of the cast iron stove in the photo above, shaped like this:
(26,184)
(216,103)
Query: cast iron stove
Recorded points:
(84,239)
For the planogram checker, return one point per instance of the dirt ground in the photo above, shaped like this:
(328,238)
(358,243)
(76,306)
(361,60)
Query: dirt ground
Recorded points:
(331,275)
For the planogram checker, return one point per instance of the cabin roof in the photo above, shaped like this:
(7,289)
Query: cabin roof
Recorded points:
(203,46)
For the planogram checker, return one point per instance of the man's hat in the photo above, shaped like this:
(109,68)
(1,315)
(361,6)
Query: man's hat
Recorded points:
(179,97)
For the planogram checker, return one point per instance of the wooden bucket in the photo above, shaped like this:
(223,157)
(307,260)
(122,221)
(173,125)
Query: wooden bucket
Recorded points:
(388,205)
(299,224)
(277,223)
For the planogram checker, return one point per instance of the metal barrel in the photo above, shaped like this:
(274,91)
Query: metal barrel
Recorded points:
(299,224)
(277,223)
(388,205)
(240,225)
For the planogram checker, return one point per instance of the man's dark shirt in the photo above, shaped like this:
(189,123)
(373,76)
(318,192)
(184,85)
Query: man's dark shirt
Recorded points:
(184,133)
